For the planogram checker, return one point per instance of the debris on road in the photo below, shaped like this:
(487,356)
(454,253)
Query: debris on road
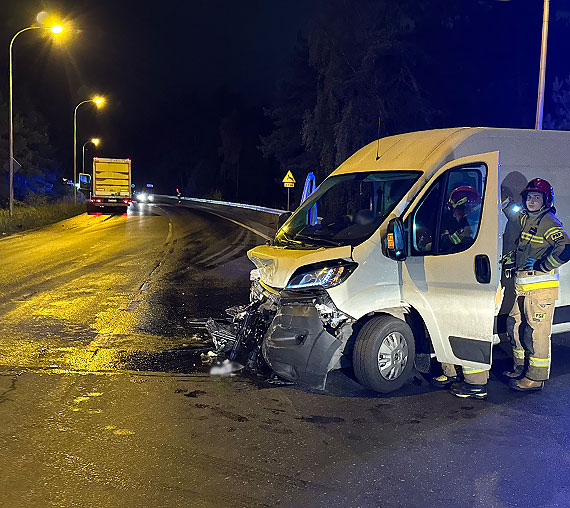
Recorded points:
(226,368)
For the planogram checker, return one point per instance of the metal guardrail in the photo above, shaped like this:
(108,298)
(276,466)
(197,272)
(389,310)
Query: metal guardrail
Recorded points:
(275,211)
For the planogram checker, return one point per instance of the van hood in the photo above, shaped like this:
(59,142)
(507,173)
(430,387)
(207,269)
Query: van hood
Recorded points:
(276,265)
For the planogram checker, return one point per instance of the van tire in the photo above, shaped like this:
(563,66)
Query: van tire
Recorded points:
(386,332)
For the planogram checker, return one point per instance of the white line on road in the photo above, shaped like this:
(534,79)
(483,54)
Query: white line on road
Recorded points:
(259,233)
(169,236)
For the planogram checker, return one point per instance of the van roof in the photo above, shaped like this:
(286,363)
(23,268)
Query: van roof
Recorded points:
(426,150)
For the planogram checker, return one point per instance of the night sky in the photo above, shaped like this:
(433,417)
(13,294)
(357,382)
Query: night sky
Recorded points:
(157,62)
(162,65)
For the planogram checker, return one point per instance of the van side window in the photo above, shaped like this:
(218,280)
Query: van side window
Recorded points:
(448,218)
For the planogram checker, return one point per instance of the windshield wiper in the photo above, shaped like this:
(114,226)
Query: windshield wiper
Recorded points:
(317,240)
(287,240)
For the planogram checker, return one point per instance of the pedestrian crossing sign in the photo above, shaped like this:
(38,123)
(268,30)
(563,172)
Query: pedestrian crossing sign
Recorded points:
(289,180)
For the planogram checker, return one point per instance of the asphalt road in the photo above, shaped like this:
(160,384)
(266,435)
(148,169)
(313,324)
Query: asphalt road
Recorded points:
(104,401)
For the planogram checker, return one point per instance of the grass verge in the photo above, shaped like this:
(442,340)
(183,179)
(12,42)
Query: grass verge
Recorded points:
(35,216)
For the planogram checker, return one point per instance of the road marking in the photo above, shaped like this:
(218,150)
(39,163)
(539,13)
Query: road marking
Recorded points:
(169,236)
(219,255)
(259,233)
(133,305)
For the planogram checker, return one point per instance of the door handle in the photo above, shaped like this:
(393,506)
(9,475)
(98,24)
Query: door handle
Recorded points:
(482,269)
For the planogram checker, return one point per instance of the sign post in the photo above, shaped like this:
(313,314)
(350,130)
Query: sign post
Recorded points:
(289,183)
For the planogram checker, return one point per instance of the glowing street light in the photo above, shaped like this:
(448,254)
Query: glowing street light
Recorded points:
(99,101)
(94,142)
(56,30)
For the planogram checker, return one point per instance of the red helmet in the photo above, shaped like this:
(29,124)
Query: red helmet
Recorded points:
(465,200)
(542,186)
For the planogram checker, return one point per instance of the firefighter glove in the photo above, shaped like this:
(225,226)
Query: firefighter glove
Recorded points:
(529,264)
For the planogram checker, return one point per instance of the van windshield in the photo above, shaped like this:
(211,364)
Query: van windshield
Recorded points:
(346,209)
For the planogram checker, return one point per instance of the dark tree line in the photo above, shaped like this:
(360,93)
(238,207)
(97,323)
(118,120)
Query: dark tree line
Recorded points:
(416,65)
(40,172)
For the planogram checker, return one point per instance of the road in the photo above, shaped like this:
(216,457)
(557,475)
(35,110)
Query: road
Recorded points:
(104,401)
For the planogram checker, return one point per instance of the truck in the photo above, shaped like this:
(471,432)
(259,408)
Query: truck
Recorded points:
(359,276)
(111,184)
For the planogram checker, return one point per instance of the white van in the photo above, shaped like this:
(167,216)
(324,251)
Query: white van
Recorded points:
(359,272)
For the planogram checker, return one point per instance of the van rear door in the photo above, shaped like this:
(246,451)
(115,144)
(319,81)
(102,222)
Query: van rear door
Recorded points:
(452,274)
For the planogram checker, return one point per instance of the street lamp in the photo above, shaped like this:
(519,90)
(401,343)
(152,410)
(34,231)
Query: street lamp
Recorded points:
(542,72)
(94,142)
(99,102)
(56,30)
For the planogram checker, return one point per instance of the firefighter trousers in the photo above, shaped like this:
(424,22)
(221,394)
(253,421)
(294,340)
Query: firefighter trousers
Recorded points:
(529,326)
(472,376)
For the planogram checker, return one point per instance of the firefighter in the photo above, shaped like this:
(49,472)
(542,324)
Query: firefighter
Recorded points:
(542,247)
(461,223)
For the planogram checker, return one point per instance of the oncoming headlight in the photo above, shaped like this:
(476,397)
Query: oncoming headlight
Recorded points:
(326,276)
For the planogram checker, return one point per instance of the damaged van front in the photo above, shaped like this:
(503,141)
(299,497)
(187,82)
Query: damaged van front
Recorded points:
(313,281)
(381,268)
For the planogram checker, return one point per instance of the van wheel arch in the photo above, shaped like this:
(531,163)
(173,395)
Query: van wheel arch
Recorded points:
(408,314)
(412,318)
(384,353)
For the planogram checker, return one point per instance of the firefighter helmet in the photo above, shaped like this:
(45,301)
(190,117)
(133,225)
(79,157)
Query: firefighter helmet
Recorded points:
(465,200)
(542,186)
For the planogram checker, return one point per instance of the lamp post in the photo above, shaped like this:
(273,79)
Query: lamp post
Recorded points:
(99,102)
(55,29)
(94,142)
(542,72)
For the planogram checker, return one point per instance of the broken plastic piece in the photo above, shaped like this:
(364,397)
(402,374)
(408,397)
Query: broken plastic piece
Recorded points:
(226,368)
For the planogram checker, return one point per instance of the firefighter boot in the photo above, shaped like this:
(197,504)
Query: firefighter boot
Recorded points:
(468,390)
(443,381)
(447,378)
(516,373)
(526,385)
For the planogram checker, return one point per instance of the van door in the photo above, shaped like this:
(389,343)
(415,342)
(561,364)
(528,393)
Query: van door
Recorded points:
(452,274)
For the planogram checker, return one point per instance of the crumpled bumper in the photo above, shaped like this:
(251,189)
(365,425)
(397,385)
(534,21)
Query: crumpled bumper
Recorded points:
(299,348)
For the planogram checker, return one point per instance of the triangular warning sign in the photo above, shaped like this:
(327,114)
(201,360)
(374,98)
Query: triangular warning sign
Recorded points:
(289,178)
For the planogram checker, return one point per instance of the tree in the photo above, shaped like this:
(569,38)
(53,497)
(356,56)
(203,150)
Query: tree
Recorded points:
(295,99)
(560,120)
(358,63)
(32,149)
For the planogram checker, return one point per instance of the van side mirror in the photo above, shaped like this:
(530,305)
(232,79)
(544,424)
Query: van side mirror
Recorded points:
(394,244)
(283,219)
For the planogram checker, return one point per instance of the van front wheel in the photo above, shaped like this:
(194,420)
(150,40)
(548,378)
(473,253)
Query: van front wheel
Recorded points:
(384,353)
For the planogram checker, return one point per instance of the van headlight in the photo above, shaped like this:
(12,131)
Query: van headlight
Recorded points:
(321,276)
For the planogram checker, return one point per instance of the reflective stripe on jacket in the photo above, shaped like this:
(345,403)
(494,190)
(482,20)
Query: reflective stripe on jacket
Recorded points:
(542,238)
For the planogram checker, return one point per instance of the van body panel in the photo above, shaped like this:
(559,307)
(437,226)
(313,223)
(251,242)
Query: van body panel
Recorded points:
(374,285)
(444,288)
(276,265)
(411,151)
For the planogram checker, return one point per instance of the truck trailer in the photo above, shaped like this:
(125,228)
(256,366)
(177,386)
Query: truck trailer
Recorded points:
(360,275)
(111,184)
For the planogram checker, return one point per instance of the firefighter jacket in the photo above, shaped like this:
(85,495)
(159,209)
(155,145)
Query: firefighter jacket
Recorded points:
(543,239)
(457,235)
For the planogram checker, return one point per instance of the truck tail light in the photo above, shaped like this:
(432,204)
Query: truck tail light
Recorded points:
(96,200)
(127,201)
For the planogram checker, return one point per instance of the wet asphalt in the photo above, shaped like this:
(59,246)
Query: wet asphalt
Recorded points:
(104,400)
